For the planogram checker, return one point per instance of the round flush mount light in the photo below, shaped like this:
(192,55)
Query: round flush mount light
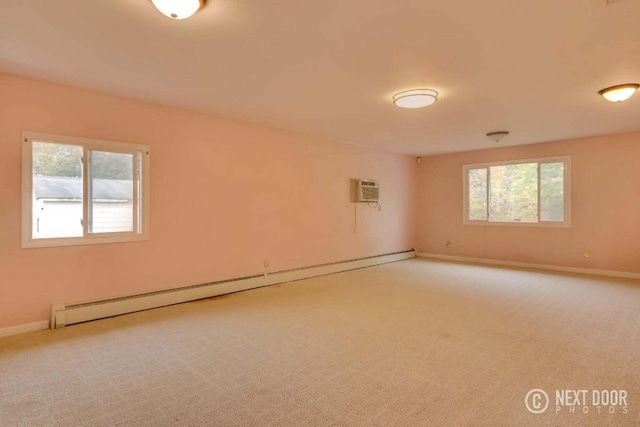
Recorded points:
(497,136)
(619,93)
(178,9)
(416,98)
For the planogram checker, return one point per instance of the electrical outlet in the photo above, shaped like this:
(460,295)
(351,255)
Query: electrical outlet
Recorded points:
(587,253)
(448,244)
(379,208)
(266,262)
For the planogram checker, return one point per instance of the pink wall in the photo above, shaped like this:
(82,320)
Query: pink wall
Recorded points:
(224,194)
(605,204)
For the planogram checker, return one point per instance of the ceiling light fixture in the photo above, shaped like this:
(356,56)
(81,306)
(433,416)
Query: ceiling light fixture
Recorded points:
(178,9)
(619,93)
(497,136)
(416,98)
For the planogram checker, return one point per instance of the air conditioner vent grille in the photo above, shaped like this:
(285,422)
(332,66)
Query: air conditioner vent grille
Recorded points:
(371,193)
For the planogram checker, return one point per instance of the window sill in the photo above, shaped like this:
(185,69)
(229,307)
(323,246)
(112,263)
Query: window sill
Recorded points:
(565,224)
(81,241)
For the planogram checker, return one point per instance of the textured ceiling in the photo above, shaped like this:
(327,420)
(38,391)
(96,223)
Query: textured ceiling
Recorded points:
(329,68)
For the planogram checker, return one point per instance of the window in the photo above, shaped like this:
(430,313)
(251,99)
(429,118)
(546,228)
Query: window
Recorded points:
(78,191)
(527,192)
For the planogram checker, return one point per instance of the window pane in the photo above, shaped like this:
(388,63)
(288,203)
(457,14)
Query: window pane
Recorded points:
(57,190)
(111,187)
(552,192)
(514,193)
(478,194)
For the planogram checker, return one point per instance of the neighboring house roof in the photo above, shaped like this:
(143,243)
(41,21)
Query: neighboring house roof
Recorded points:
(70,188)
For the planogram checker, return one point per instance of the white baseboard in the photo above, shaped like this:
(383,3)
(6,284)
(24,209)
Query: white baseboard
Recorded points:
(21,329)
(77,313)
(68,314)
(321,270)
(487,261)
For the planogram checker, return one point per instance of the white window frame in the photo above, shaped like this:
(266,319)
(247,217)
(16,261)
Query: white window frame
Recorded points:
(141,225)
(543,160)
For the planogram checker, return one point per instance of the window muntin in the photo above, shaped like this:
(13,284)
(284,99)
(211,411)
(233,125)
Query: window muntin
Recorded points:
(526,192)
(78,191)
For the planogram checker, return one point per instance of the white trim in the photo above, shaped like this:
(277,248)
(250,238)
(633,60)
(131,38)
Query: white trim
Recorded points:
(566,160)
(22,329)
(540,160)
(496,262)
(81,241)
(27,192)
(62,315)
(92,144)
(87,145)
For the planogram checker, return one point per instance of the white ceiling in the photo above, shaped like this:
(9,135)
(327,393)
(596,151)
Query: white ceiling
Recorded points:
(330,67)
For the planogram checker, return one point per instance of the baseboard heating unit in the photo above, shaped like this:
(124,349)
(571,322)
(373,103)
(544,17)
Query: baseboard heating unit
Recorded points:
(63,315)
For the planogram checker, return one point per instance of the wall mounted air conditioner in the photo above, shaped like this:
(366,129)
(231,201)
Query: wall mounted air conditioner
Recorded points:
(364,190)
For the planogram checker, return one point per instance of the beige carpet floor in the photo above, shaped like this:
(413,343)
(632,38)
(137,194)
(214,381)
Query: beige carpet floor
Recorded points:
(411,343)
